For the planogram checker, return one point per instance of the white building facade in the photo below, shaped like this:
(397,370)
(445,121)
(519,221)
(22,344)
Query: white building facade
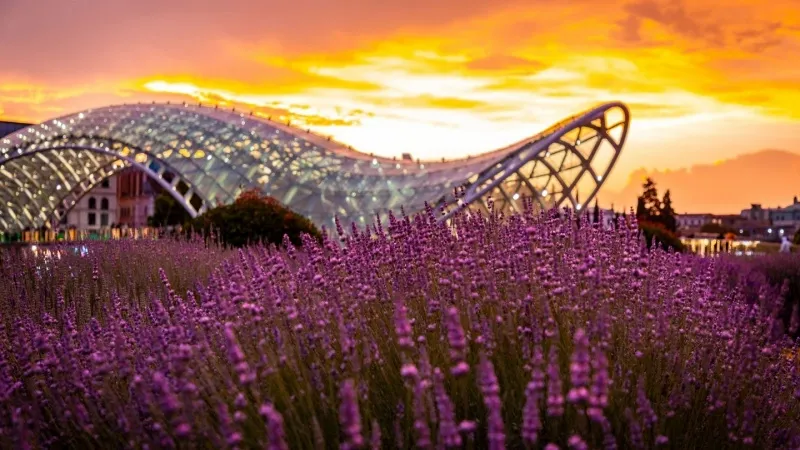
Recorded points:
(783,221)
(96,210)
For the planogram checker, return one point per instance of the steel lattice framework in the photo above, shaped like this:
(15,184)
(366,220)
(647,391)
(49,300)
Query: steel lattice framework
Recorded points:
(206,156)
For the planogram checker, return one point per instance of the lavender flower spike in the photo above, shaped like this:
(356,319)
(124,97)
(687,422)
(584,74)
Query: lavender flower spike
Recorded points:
(448,433)
(555,395)
(458,342)
(579,369)
(276,435)
(491,398)
(349,416)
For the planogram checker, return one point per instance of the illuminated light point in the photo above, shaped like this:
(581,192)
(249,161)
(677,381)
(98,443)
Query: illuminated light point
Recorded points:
(516,196)
(599,178)
(544,193)
(578,206)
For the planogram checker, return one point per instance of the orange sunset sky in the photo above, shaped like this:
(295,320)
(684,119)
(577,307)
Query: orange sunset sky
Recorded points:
(705,80)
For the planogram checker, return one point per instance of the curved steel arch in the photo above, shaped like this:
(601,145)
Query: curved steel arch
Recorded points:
(213,154)
(544,150)
(110,164)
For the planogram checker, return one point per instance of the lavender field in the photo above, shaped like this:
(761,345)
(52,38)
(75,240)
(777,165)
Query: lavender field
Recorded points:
(519,332)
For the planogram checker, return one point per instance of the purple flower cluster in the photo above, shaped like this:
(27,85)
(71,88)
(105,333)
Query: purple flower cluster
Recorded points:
(458,342)
(579,370)
(490,331)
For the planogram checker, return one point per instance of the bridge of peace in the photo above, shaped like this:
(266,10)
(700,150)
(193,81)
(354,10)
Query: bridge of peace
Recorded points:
(205,156)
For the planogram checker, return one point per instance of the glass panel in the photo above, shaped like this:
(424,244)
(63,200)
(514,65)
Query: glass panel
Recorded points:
(210,147)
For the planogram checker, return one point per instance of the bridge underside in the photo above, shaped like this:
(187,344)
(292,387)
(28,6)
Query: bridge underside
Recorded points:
(204,157)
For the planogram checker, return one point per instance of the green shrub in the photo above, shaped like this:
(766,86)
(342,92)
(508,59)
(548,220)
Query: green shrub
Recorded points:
(167,212)
(253,218)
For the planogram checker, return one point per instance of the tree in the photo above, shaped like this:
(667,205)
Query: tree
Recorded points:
(796,239)
(656,233)
(667,214)
(168,212)
(656,219)
(254,218)
(641,209)
(650,197)
(596,212)
(650,209)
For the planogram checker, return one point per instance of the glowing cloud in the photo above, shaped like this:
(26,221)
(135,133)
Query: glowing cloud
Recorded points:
(446,80)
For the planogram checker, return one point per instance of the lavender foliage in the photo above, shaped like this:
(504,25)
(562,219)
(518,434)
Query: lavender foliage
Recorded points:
(488,332)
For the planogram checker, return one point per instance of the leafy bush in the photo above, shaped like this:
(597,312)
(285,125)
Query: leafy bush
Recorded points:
(167,212)
(656,233)
(252,219)
(509,333)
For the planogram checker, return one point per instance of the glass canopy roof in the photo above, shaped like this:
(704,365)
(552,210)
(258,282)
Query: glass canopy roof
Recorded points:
(205,156)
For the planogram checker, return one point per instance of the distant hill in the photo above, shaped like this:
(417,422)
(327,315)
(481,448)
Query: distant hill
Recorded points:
(769,177)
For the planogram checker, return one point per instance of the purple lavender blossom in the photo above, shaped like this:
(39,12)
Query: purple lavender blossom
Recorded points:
(421,427)
(555,395)
(576,443)
(375,437)
(534,392)
(598,392)
(491,398)
(237,356)
(531,420)
(635,430)
(458,343)
(276,439)
(94,350)
(402,326)
(643,407)
(350,417)
(579,370)
(448,433)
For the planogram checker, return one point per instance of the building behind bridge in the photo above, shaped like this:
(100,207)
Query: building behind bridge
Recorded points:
(126,198)
(755,222)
